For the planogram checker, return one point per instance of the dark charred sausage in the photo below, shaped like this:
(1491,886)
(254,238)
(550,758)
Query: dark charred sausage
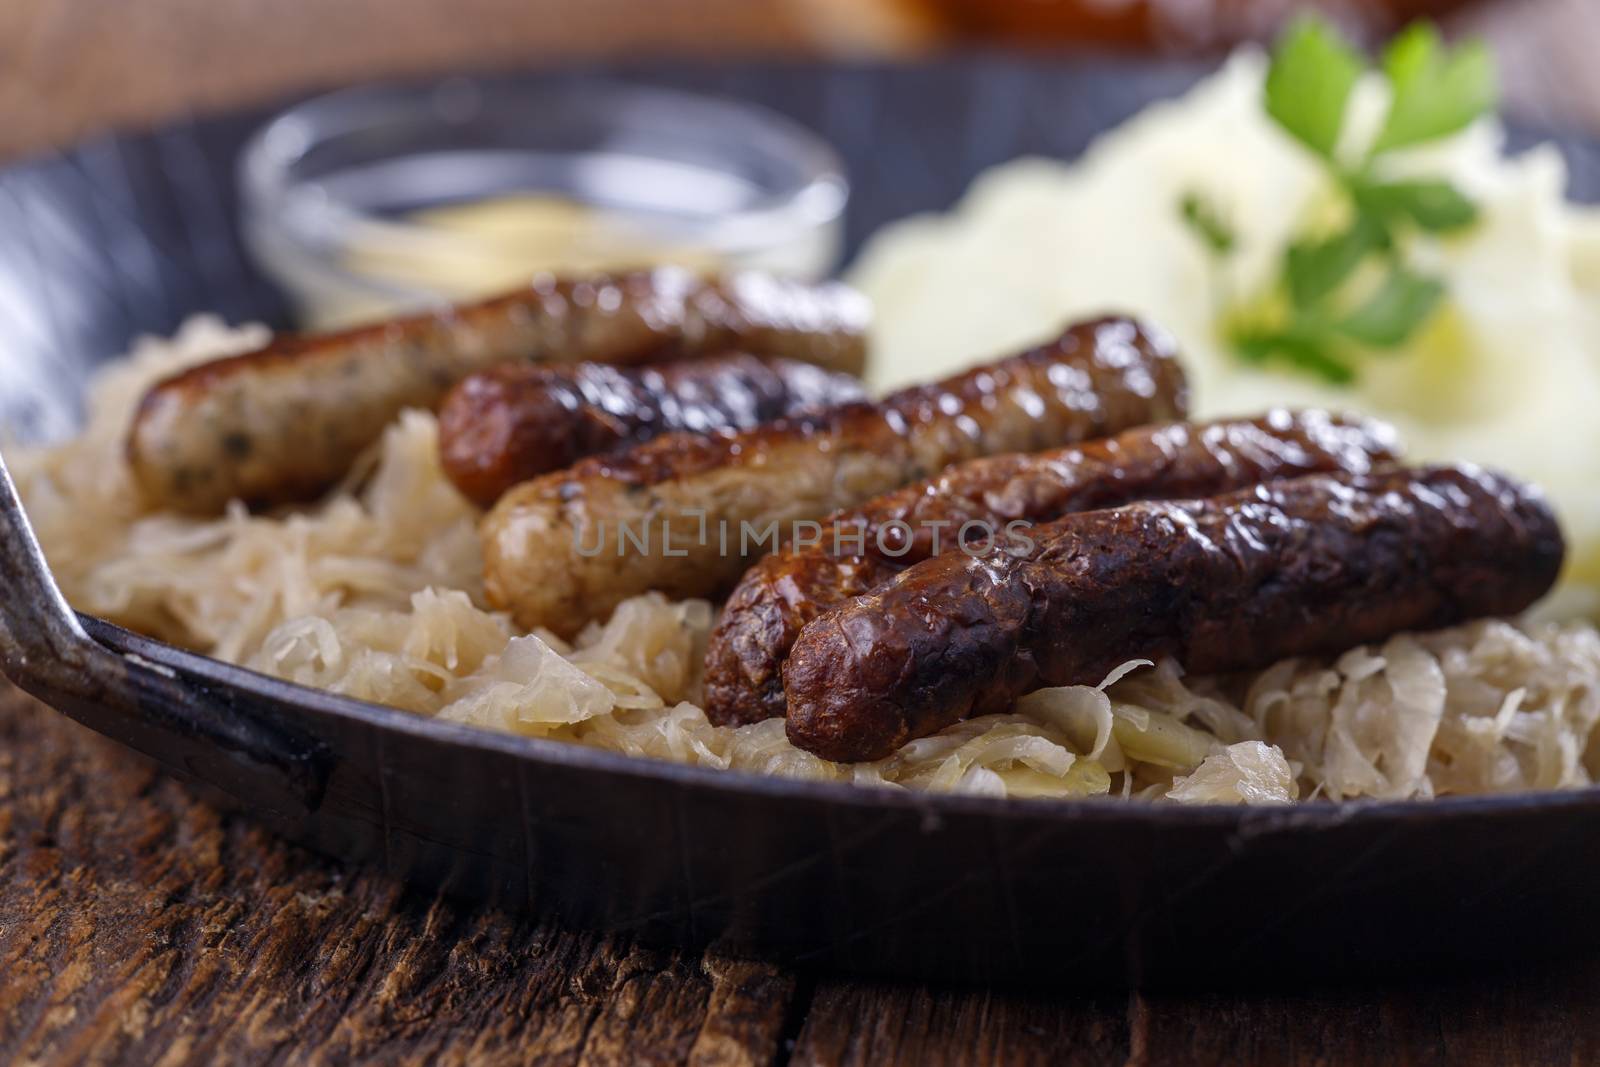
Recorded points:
(502,427)
(685,513)
(285,422)
(861,548)
(1316,564)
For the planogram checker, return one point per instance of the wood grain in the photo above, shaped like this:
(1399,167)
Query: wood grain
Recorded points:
(74,67)
(870,1023)
(140,926)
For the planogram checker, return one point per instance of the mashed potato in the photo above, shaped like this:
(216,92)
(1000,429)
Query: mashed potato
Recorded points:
(1508,375)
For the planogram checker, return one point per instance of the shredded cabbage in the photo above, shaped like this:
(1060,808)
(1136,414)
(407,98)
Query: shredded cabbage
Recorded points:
(375,592)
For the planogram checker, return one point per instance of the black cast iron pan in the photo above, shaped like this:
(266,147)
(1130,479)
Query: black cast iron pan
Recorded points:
(131,233)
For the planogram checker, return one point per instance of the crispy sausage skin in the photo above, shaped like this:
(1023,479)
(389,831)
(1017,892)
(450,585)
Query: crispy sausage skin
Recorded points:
(1315,564)
(860,549)
(285,422)
(507,425)
(685,513)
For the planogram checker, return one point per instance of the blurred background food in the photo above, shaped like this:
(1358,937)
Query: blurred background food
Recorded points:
(516,184)
(68,68)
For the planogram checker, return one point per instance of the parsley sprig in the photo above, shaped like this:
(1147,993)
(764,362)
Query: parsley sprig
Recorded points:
(1321,320)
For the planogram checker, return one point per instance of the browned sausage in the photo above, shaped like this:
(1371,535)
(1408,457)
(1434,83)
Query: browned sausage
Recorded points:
(285,422)
(862,548)
(1316,564)
(685,513)
(507,425)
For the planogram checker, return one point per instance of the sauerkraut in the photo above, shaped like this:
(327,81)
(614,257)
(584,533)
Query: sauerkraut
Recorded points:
(375,593)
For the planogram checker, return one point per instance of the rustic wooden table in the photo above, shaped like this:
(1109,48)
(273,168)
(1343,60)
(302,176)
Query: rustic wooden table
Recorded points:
(138,925)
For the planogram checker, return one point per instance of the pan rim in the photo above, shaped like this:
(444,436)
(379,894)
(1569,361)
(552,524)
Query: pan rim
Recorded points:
(276,693)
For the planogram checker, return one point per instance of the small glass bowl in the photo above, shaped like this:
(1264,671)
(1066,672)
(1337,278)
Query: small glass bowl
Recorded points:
(377,199)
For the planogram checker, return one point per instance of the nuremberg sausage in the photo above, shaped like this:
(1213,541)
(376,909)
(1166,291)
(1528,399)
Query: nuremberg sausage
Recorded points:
(685,513)
(1312,565)
(504,426)
(862,548)
(284,423)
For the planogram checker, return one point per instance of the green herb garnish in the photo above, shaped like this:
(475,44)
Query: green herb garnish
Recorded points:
(1350,289)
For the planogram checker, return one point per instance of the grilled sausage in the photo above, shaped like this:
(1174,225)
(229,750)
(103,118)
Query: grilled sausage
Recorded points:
(862,548)
(686,512)
(505,426)
(1316,564)
(285,422)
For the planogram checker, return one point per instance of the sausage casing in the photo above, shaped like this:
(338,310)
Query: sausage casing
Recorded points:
(285,422)
(685,513)
(1315,564)
(502,427)
(862,548)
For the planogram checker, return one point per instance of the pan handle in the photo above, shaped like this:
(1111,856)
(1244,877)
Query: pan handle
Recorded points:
(200,730)
(40,637)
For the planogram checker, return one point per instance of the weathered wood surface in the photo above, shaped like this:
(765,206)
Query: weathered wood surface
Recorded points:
(139,926)
(73,67)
